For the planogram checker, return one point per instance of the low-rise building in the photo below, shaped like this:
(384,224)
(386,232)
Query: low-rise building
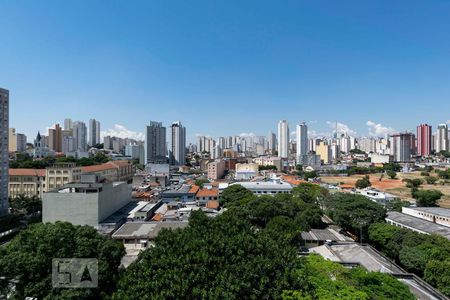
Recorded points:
(416,224)
(205,195)
(140,235)
(87,202)
(60,174)
(216,169)
(269,161)
(436,215)
(380,158)
(118,170)
(246,171)
(27,182)
(184,193)
(271,187)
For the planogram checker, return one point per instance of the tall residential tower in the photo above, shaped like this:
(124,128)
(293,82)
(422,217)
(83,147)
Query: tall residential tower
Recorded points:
(424,140)
(94,132)
(4,162)
(155,143)
(283,139)
(302,140)
(178,146)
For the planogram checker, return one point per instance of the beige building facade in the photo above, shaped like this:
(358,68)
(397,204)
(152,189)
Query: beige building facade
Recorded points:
(27,182)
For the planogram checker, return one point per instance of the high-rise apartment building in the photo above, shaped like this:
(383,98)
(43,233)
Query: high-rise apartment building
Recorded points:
(94,132)
(68,125)
(302,140)
(283,139)
(442,138)
(80,136)
(424,140)
(17,141)
(155,143)
(55,138)
(324,151)
(178,145)
(401,147)
(4,160)
(272,142)
(367,145)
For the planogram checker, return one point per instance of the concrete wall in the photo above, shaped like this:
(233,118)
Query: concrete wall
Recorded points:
(113,198)
(76,208)
(85,208)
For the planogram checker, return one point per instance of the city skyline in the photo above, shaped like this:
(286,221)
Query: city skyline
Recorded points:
(214,61)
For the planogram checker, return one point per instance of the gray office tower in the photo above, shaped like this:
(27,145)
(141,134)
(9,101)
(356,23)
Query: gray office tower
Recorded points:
(155,143)
(4,162)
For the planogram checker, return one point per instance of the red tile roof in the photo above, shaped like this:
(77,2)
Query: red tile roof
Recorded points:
(27,172)
(194,189)
(208,193)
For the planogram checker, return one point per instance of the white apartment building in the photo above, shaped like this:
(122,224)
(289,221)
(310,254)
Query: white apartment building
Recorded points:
(283,139)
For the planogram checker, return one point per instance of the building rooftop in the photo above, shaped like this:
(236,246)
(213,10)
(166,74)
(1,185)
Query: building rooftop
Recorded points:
(322,235)
(266,185)
(438,211)
(145,230)
(184,189)
(208,193)
(27,172)
(419,224)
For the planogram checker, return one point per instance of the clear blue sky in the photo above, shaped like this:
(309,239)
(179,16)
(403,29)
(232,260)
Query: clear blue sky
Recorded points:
(226,67)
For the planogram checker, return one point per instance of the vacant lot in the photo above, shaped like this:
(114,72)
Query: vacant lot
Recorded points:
(395,186)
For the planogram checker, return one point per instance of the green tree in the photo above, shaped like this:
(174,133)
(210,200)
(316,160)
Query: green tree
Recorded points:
(427,197)
(269,167)
(220,258)
(329,280)
(437,274)
(201,181)
(413,183)
(25,205)
(391,174)
(396,205)
(27,260)
(431,179)
(354,212)
(310,175)
(310,192)
(234,194)
(100,158)
(363,182)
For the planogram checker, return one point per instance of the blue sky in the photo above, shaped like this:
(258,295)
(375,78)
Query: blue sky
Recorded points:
(226,67)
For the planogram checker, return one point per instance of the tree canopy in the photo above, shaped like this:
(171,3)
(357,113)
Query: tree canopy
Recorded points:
(234,194)
(424,255)
(427,197)
(363,183)
(354,212)
(27,259)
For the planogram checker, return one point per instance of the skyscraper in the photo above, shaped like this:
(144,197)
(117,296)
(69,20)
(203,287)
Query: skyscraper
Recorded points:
(155,143)
(302,140)
(68,124)
(55,138)
(442,138)
(178,147)
(94,132)
(4,161)
(424,140)
(401,147)
(80,136)
(283,139)
(272,142)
